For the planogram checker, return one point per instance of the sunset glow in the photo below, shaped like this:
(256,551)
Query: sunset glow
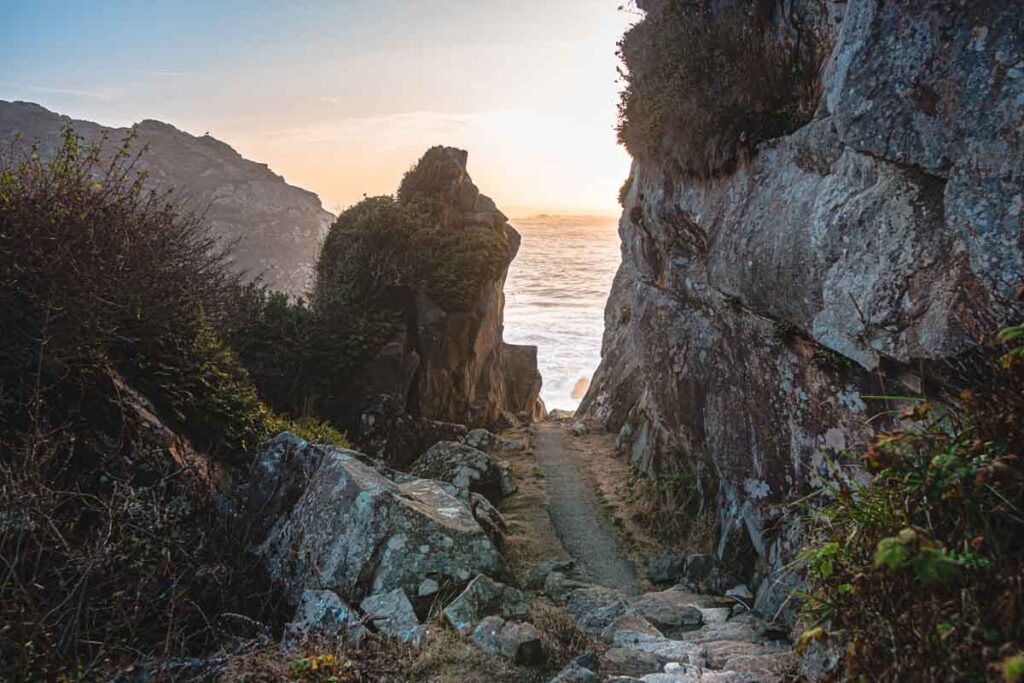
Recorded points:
(342,97)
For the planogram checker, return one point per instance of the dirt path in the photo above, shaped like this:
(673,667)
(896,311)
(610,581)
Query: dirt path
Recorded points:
(584,530)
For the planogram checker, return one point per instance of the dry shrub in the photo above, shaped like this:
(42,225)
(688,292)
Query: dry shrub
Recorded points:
(677,503)
(562,637)
(110,547)
(704,89)
(448,658)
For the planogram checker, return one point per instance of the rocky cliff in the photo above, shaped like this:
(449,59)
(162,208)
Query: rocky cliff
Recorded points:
(448,249)
(756,312)
(277,227)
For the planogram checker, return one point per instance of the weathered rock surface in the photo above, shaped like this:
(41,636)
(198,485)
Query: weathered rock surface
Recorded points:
(393,614)
(323,612)
(484,597)
(490,443)
(390,434)
(753,313)
(449,363)
(669,611)
(277,227)
(520,642)
(468,469)
(341,525)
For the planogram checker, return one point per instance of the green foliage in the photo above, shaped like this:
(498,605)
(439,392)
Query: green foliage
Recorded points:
(921,568)
(627,185)
(382,244)
(310,429)
(702,90)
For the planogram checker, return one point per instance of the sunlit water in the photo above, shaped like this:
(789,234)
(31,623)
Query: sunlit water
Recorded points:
(555,296)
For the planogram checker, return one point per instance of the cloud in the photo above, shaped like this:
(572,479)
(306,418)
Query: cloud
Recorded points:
(163,73)
(387,132)
(330,100)
(74,92)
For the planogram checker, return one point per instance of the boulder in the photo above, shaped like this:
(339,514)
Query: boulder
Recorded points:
(352,530)
(520,642)
(537,575)
(575,673)
(626,662)
(594,608)
(489,519)
(323,612)
(579,429)
(470,470)
(665,649)
(669,611)
(393,614)
(629,622)
(484,597)
(491,443)
(666,569)
(558,587)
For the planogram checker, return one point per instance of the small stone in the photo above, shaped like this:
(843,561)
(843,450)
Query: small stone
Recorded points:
(536,576)
(519,642)
(579,429)
(428,586)
(574,673)
(741,593)
(324,612)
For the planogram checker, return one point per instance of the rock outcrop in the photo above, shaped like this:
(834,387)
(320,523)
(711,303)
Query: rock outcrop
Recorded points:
(335,522)
(754,314)
(276,227)
(449,363)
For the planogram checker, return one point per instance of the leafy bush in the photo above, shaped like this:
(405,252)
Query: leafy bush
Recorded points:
(382,244)
(703,90)
(920,570)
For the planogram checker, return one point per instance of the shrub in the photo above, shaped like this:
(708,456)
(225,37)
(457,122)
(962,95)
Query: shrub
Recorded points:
(382,245)
(704,89)
(111,542)
(921,570)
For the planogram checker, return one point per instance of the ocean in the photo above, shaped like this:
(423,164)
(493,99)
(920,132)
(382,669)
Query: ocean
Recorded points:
(555,295)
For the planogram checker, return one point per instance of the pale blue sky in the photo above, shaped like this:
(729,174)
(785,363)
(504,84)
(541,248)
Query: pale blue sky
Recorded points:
(340,97)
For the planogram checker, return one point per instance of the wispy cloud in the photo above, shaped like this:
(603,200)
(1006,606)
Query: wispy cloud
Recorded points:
(391,131)
(164,73)
(330,100)
(74,92)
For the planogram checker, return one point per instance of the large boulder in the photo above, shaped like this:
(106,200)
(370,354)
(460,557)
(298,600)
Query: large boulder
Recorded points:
(345,527)
(468,469)
(393,614)
(520,642)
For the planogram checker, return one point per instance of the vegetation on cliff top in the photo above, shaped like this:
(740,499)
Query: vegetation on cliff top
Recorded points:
(918,574)
(704,89)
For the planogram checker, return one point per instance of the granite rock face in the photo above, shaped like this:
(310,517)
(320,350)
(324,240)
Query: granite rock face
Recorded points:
(339,524)
(445,363)
(753,313)
(276,227)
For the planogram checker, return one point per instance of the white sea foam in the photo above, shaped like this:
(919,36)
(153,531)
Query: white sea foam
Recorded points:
(555,297)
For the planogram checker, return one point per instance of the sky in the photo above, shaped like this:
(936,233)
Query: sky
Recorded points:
(341,97)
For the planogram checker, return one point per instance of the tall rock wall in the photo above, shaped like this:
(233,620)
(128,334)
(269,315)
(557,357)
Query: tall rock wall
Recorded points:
(450,363)
(754,314)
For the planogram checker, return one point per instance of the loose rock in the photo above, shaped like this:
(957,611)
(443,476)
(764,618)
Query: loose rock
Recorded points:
(392,613)
(484,597)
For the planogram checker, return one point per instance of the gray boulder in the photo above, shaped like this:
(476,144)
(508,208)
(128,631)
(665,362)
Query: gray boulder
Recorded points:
(626,662)
(575,672)
(595,608)
(669,611)
(666,569)
(393,614)
(356,532)
(468,469)
(323,612)
(520,642)
(484,597)
(536,576)
(490,443)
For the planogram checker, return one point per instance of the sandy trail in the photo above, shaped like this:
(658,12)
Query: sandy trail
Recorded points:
(584,530)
